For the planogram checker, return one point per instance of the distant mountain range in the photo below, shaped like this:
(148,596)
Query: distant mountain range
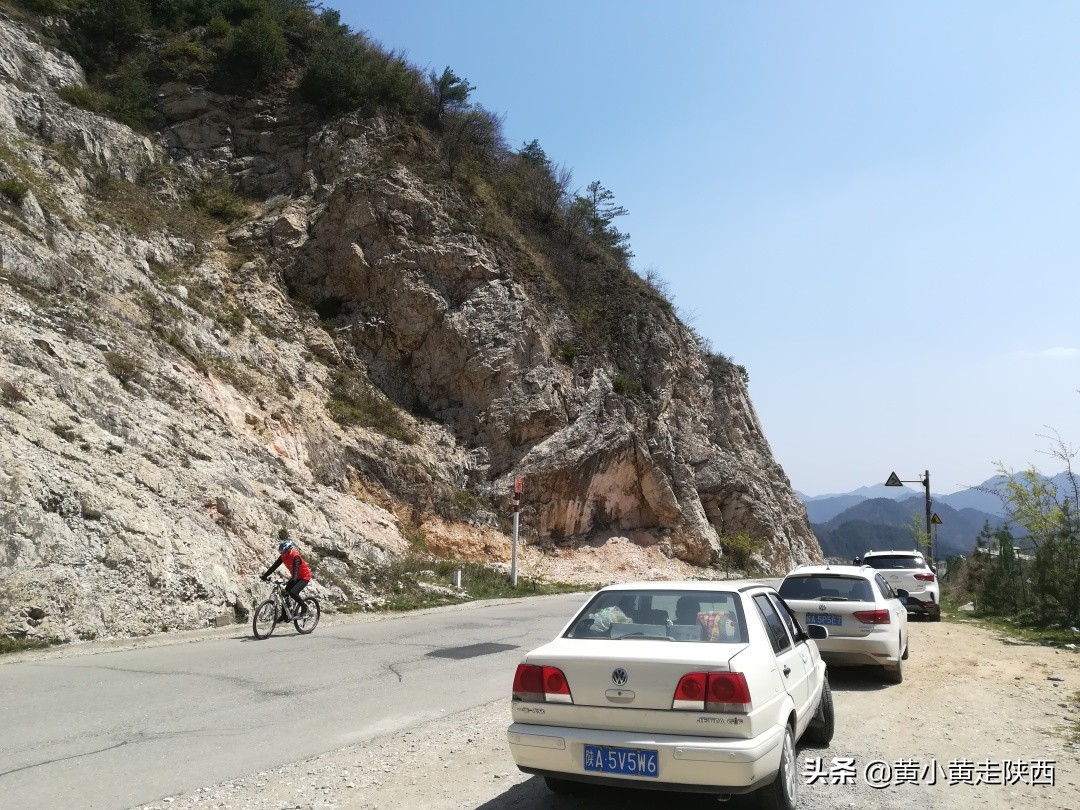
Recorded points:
(878,517)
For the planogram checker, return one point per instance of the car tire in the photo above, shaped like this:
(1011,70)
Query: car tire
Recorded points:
(564,787)
(821,728)
(780,793)
(894,674)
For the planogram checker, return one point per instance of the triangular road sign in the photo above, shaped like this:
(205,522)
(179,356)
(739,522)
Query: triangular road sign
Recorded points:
(894,481)
(935,519)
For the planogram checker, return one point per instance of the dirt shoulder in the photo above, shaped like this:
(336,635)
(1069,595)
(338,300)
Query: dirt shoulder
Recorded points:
(978,722)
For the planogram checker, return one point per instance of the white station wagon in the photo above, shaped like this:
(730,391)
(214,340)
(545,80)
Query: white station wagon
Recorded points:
(702,687)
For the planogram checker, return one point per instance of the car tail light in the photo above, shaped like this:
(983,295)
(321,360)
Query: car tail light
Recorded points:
(537,684)
(712,692)
(925,577)
(873,616)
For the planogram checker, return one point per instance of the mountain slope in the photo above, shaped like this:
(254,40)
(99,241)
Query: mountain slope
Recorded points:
(364,348)
(882,520)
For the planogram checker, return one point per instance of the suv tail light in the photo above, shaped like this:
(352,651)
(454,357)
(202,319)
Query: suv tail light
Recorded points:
(873,616)
(536,684)
(925,577)
(712,692)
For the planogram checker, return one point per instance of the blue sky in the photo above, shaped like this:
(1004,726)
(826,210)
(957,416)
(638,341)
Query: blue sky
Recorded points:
(874,207)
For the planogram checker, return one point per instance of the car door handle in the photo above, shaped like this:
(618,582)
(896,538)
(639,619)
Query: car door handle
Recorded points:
(787,670)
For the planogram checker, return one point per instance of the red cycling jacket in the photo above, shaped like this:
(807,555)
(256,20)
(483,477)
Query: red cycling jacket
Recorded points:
(294,564)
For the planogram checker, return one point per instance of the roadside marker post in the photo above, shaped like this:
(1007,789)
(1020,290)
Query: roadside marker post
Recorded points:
(519,486)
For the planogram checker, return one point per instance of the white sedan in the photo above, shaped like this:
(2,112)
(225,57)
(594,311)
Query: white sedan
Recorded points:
(867,620)
(702,687)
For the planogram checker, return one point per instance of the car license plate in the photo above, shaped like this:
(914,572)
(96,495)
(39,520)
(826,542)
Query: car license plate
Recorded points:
(823,618)
(903,600)
(626,761)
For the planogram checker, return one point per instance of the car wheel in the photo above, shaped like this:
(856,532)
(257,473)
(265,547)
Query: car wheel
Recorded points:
(564,787)
(820,730)
(780,794)
(936,615)
(894,674)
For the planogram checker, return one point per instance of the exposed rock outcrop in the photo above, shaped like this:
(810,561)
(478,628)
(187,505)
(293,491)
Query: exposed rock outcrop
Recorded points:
(354,361)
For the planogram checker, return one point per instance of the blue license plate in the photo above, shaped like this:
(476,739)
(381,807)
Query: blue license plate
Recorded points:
(623,761)
(823,618)
(903,600)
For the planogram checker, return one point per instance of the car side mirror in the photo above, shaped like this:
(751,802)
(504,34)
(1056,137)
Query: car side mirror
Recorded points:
(817,632)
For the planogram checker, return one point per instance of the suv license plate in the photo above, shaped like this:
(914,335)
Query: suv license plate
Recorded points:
(823,618)
(626,761)
(903,600)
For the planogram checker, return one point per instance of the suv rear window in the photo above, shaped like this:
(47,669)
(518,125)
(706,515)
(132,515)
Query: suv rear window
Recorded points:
(893,561)
(826,588)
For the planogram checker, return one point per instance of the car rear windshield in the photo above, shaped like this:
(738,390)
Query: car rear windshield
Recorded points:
(893,561)
(684,616)
(827,588)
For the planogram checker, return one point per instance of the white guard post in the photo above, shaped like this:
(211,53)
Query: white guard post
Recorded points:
(519,485)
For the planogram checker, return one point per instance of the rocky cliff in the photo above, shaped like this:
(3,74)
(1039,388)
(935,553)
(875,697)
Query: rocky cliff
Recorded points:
(367,354)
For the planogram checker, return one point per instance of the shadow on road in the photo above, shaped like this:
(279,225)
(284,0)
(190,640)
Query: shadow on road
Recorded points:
(534,795)
(856,679)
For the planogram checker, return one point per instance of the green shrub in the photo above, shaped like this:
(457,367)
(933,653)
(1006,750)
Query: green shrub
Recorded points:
(46,8)
(14,189)
(259,50)
(124,95)
(353,403)
(122,366)
(568,351)
(625,386)
(13,645)
(218,28)
(84,96)
(186,60)
(404,576)
(219,201)
(346,72)
(65,432)
(11,394)
(233,373)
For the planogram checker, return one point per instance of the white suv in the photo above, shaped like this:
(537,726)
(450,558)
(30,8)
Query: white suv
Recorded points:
(909,570)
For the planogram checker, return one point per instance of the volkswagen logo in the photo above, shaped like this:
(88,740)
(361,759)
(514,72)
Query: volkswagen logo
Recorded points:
(620,676)
(822,606)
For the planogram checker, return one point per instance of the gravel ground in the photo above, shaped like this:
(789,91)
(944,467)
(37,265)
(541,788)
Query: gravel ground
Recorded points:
(968,728)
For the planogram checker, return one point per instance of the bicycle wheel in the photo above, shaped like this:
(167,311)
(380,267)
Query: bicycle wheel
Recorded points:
(310,620)
(265,619)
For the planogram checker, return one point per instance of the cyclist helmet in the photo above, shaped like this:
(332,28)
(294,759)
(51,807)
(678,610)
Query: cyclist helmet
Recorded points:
(285,545)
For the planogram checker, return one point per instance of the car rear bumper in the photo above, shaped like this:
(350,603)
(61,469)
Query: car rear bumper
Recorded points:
(868,650)
(925,605)
(691,764)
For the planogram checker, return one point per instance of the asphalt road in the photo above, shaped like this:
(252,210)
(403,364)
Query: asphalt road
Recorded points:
(113,729)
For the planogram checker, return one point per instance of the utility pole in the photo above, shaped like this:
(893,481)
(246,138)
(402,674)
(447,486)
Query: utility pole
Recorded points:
(894,481)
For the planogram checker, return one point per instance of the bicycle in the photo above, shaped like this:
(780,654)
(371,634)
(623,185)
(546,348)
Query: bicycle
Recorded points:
(276,609)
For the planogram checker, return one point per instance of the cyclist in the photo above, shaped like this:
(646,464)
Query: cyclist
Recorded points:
(299,573)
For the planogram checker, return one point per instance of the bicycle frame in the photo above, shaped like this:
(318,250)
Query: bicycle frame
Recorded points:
(282,599)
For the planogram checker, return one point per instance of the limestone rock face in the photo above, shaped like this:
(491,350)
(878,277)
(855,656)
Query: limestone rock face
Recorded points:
(360,361)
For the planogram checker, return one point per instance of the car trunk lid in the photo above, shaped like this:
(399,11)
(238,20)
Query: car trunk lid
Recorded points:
(631,673)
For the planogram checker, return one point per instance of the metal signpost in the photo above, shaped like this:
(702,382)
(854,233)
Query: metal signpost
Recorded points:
(894,481)
(519,485)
